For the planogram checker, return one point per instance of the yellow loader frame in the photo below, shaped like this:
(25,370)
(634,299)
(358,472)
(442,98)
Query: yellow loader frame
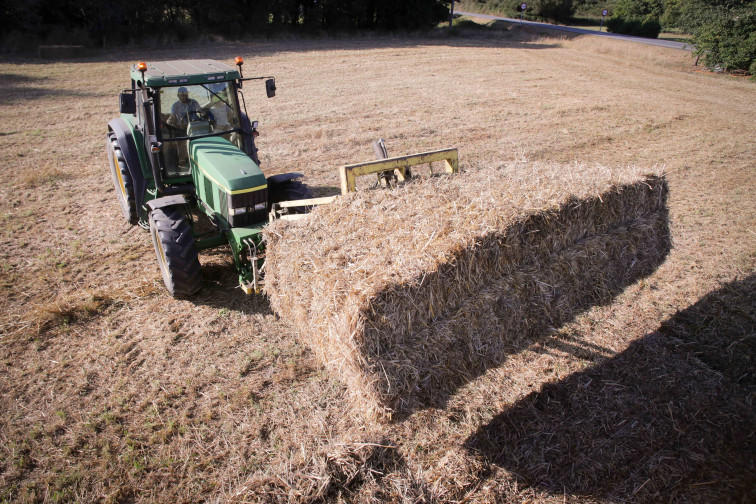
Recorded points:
(398,165)
(394,169)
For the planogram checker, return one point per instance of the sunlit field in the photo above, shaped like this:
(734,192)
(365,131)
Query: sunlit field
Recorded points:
(112,391)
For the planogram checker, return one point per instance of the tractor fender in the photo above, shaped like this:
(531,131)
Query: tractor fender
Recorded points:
(128,145)
(283,177)
(166,201)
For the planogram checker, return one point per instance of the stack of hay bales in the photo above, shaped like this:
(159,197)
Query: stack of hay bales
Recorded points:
(410,293)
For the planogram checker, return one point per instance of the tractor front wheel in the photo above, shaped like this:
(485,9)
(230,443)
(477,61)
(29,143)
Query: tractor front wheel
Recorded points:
(291,190)
(176,254)
(124,185)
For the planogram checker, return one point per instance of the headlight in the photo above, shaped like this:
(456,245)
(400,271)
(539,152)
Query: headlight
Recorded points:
(243,210)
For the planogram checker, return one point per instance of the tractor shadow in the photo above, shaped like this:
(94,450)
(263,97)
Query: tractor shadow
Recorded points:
(220,287)
(669,419)
(324,191)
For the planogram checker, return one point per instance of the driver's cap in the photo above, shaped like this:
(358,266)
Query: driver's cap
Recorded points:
(182,89)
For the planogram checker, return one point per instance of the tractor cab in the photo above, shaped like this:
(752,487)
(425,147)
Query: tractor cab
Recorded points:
(187,112)
(176,102)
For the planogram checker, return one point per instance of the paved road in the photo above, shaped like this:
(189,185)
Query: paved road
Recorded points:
(655,42)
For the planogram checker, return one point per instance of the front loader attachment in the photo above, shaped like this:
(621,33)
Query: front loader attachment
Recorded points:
(396,169)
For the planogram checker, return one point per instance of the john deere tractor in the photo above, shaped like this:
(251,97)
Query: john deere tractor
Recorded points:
(185,166)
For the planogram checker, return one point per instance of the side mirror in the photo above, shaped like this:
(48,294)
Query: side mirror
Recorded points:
(127,103)
(270,87)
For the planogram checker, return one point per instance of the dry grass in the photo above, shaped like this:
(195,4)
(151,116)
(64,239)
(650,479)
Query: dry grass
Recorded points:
(141,398)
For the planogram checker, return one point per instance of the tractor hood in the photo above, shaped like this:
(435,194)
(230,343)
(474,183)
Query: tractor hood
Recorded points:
(230,169)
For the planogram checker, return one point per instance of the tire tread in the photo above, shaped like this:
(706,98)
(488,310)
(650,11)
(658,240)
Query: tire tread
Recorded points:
(182,274)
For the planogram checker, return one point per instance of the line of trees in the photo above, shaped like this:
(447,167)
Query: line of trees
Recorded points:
(560,11)
(724,31)
(104,22)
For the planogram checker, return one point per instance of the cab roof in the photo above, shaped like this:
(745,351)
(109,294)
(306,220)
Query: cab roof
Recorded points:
(182,72)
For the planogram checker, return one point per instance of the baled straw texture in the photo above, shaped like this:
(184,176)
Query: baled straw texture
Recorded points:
(408,294)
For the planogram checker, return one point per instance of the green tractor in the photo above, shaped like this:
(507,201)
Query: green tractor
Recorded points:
(185,166)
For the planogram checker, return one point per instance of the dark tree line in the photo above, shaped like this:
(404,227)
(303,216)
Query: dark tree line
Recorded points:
(114,21)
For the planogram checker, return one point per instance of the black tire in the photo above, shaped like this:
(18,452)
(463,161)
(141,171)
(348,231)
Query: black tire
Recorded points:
(174,246)
(122,181)
(291,190)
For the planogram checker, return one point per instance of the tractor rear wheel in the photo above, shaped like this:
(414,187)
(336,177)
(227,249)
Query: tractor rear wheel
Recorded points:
(124,185)
(174,246)
(291,190)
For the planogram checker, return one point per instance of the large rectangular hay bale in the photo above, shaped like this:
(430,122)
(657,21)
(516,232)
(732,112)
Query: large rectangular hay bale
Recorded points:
(410,293)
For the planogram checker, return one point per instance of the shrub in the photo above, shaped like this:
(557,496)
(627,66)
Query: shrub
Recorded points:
(639,9)
(557,10)
(649,28)
(728,40)
(636,17)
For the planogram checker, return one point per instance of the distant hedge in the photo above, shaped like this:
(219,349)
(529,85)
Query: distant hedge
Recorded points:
(551,10)
(636,17)
(650,28)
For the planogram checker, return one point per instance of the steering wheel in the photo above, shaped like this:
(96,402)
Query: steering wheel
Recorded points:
(201,115)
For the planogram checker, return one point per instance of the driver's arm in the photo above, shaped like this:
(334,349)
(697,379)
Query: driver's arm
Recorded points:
(173,120)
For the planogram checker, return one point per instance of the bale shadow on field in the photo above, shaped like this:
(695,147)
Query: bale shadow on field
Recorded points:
(670,419)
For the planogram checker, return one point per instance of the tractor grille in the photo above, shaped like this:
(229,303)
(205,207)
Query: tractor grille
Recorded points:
(249,200)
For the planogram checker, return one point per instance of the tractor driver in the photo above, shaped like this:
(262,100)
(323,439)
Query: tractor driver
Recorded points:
(184,109)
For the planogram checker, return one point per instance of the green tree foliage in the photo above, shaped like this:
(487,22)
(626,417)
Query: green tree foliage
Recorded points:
(117,21)
(649,28)
(557,10)
(724,31)
(637,17)
(671,17)
(551,10)
(727,39)
(639,9)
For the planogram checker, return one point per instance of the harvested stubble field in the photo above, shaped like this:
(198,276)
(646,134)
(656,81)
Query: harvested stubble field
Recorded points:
(111,391)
